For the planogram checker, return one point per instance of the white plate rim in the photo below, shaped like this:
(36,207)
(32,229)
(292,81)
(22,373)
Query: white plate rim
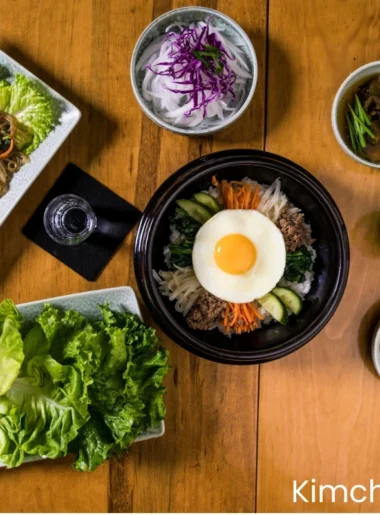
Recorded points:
(54,147)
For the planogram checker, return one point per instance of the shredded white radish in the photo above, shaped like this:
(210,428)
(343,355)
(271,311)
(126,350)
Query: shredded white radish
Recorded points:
(273,201)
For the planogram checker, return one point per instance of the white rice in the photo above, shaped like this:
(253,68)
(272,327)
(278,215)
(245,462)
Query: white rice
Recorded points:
(302,289)
(213,192)
(167,256)
(175,235)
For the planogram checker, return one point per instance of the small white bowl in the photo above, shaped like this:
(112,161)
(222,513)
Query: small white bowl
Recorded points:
(375,351)
(356,78)
(188,15)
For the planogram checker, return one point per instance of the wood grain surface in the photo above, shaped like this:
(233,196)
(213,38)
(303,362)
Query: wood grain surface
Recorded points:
(206,461)
(319,408)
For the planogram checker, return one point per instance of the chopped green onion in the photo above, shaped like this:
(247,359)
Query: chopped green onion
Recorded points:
(359,133)
(357,129)
(352,134)
(210,51)
(367,130)
(199,55)
(213,49)
(361,125)
(363,115)
(356,109)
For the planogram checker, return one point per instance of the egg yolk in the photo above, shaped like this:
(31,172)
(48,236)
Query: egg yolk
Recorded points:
(235,254)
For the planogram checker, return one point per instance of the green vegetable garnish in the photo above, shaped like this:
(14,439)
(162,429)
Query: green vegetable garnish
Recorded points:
(212,52)
(70,385)
(32,106)
(361,111)
(11,346)
(184,223)
(358,125)
(181,252)
(351,131)
(297,263)
(361,125)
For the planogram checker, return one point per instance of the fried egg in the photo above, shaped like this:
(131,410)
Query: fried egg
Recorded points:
(239,255)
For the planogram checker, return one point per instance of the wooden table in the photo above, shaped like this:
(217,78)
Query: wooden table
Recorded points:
(236,437)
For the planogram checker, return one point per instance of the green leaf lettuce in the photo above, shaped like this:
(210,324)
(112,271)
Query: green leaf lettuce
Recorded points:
(127,391)
(32,107)
(11,345)
(70,385)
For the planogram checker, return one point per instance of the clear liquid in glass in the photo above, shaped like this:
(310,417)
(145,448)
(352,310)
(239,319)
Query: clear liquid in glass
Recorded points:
(69,219)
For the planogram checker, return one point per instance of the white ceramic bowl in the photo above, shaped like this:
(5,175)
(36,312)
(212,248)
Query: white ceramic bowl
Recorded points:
(190,14)
(376,348)
(356,78)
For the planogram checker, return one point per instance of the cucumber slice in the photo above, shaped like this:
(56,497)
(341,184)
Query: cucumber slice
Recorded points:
(275,307)
(290,298)
(199,212)
(208,201)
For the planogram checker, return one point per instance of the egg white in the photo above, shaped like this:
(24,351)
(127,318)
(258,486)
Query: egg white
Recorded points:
(270,260)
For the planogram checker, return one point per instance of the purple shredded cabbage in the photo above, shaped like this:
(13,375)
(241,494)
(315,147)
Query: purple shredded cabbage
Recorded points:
(194,76)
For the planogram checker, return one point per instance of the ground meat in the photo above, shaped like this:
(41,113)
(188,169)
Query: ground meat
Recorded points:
(293,230)
(206,312)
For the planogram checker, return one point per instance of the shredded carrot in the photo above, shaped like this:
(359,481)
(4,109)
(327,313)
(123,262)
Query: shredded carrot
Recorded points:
(248,315)
(257,312)
(247,197)
(226,314)
(237,195)
(256,198)
(236,309)
(241,318)
(236,200)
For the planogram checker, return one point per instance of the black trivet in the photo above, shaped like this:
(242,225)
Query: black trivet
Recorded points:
(116,217)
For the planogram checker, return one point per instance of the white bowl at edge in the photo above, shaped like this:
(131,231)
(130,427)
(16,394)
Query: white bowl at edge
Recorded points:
(357,77)
(376,348)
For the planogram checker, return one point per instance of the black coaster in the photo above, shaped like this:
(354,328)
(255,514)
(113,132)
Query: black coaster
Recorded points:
(116,217)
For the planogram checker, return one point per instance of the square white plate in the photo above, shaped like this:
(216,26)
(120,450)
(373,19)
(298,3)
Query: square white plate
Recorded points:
(22,180)
(120,299)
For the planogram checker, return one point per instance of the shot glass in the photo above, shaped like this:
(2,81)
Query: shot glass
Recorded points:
(69,219)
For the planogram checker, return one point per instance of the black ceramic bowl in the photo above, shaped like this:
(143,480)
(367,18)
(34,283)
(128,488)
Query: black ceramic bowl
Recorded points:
(331,266)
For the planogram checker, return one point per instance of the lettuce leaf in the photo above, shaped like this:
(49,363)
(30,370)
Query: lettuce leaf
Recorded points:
(9,310)
(77,386)
(32,106)
(35,343)
(72,340)
(127,394)
(47,409)
(11,345)
(5,95)
(94,445)
(43,405)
